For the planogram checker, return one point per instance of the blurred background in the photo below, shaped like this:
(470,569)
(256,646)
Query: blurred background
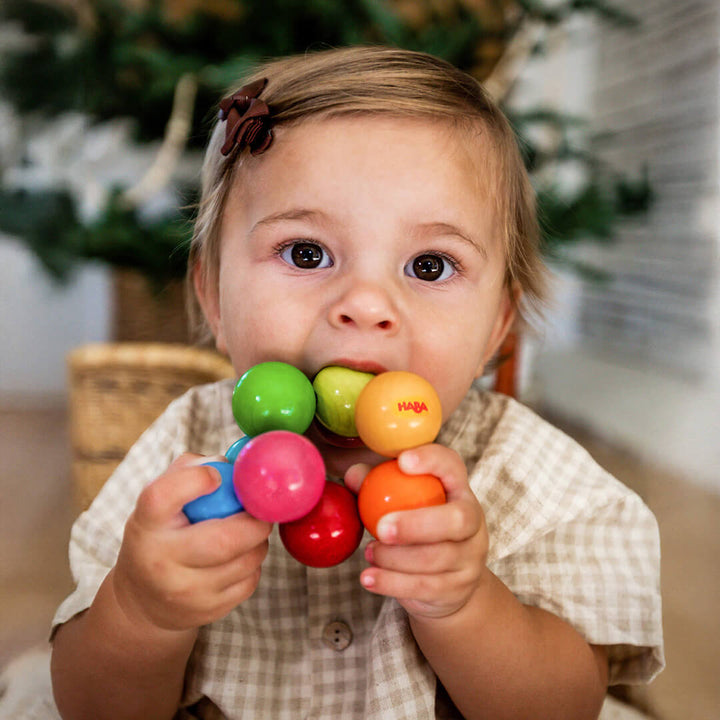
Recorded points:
(105,106)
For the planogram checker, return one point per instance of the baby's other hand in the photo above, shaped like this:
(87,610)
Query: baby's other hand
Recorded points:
(177,576)
(431,559)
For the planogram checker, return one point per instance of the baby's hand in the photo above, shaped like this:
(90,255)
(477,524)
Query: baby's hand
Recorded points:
(178,576)
(431,559)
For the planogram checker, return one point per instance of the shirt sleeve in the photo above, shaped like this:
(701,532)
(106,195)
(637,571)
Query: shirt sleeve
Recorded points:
(96,536)
(567,537)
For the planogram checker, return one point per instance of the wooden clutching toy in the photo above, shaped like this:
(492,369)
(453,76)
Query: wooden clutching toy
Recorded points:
(276,474)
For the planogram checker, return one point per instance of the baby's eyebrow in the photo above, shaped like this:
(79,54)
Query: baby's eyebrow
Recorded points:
(432,229)
(291,214)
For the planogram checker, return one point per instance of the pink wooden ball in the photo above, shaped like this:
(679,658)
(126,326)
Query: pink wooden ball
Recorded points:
(279,476)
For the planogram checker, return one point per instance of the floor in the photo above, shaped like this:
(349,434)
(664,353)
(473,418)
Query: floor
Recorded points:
(36,512)
(689,521)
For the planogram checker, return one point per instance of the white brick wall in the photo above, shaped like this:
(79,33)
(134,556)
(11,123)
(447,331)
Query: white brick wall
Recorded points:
(638,359)
(657,103)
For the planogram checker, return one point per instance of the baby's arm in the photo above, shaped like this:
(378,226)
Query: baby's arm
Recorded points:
(496,657)
(125,656)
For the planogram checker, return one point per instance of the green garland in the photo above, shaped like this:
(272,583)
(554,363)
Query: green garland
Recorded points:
(124,62)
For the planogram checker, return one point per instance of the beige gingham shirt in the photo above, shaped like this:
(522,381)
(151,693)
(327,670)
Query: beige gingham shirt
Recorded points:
(564,536)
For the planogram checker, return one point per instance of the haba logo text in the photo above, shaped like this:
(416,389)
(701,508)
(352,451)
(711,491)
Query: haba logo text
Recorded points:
(415,406)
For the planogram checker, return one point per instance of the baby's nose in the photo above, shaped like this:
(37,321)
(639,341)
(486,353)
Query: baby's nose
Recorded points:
(365,306)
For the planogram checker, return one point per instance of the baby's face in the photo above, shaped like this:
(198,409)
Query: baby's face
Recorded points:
(364,242)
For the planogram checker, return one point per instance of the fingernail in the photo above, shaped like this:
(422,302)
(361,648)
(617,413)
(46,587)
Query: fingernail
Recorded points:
(369,553)
(386,529)
(215,475)
(367,580)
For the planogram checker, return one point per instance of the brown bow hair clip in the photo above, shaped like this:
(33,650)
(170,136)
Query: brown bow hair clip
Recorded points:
(247,120)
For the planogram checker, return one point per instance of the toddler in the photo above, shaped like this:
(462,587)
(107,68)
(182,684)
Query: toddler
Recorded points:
(364,207)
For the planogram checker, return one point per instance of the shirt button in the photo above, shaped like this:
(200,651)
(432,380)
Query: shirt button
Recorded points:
(337,635)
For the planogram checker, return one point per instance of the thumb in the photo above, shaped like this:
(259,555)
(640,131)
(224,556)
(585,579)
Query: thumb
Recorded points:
(161,502)
(442,462)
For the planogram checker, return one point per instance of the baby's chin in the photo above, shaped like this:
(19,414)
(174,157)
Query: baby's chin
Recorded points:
(339,459)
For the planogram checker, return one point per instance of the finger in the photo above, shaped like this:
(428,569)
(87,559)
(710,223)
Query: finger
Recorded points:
(247,568)
(215,542)
(213,580)
(456,521)
(355,475)
(199,597)
(414,559)
(162,501)
(238,593)
(440,461)
(421,587)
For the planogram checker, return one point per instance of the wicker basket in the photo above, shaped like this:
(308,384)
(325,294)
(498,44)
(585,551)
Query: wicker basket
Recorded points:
(117,391)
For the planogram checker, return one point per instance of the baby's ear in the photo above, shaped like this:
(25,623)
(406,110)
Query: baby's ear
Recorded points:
(206,293)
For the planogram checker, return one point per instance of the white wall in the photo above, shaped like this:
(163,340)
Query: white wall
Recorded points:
(638,360)
(41,321)
(671,422)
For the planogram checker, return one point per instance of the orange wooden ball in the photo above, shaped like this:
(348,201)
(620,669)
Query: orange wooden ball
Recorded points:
(396,411)
(386,489)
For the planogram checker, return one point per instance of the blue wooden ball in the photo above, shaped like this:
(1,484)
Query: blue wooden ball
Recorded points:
(221,503)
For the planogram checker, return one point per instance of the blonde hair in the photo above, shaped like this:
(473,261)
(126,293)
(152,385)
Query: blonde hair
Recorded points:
(391,82)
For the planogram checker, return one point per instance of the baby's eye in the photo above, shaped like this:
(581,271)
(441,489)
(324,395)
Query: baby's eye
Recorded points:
(306,255)
(430,267)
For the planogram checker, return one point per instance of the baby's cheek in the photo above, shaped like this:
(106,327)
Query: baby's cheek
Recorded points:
(265,335)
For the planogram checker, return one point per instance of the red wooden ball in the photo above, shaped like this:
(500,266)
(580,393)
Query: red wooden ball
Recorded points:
(329,533)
